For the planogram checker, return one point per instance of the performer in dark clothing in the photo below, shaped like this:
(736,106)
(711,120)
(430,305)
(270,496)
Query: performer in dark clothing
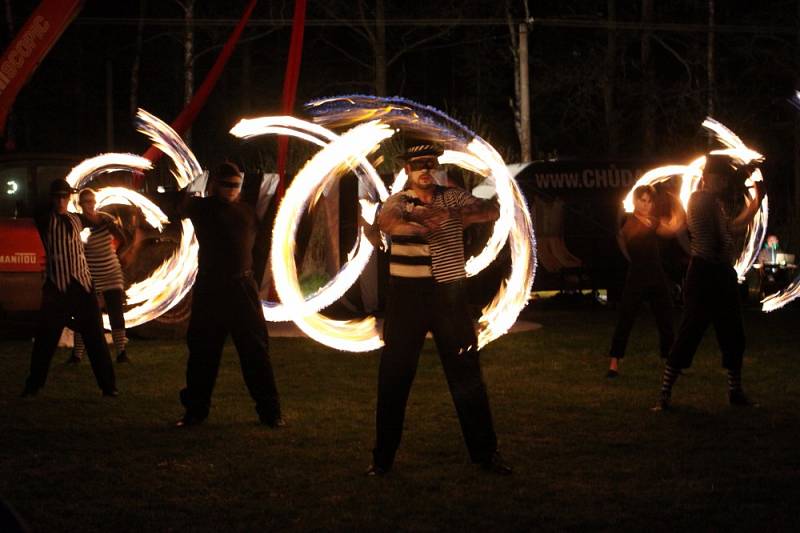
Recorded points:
(67,295)
(225,300)
(426,293)
(646,278)
(711,295)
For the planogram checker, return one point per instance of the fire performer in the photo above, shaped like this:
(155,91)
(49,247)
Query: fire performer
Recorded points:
(710,289)
(646,278)
(106,273)
(225,300)
(67,295)
(427,293)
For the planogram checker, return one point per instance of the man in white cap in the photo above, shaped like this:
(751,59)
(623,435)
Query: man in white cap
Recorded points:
(427,293)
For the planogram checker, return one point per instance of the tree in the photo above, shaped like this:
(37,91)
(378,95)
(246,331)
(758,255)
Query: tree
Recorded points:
(370,27)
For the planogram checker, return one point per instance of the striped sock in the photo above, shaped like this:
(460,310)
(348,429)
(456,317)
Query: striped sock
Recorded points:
(79,348)
(119,340)
(734,380)
(670,377)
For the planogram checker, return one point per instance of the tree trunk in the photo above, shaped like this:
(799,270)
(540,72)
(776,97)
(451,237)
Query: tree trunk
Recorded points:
(514,103)
(188,61)
(710,68)
(381,86)
(247,63)
(648,81)
(795,211)
(137,59)
(109,105)
(524,93)
(610,80)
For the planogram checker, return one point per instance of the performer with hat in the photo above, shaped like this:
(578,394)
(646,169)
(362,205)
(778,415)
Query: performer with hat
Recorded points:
(711,294)
(225,301)
(427,293)
(67,295)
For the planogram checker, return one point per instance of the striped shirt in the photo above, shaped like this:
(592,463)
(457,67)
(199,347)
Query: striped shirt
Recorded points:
(709,228)
(102,259)
(64,249)
(440,254)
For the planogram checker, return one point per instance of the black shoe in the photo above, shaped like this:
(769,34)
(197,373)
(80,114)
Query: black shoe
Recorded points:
(739,399)
(663,403)
(376,471)
(189,420)
(497,465)
(122,357)
(113,393)
(274,423)
(611,373)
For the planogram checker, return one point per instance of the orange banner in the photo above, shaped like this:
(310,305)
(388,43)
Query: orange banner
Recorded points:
(30,45)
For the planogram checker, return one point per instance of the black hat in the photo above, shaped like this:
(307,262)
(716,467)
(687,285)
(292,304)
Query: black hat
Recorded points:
(225,170)
(61,187)
(421,150)
(719,164)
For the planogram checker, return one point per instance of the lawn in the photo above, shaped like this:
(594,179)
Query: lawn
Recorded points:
(588,453)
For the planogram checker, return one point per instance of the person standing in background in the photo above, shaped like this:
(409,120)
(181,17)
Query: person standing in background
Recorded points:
(106,273)
(67,295)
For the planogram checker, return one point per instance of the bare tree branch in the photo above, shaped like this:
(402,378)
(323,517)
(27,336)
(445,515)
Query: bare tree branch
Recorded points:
(415,44)
(347,54)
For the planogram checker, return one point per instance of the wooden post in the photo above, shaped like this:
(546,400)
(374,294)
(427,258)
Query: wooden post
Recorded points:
(524,95)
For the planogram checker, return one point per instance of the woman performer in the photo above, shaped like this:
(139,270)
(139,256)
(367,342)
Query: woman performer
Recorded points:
(106,273)
(646,278)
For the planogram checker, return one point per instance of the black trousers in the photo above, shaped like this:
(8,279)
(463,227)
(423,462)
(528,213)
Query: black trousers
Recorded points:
(220,308)
(79,309)
(657,293)
(711,296)
(113,299)
(415,307)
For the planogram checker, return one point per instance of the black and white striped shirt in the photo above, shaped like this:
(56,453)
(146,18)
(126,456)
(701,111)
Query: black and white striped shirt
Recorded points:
(440,254)
(709,228)
(102,259)
(64,249)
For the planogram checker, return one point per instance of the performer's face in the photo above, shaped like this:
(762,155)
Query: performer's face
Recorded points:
(88,203)
(713,182)
(643,205)
(60,202)
(228,188)
(420,172)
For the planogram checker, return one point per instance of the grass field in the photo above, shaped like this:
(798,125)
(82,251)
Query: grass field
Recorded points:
(588,454)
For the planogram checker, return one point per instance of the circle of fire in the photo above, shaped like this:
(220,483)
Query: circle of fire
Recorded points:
(169,283)
(690,181)
(341,154)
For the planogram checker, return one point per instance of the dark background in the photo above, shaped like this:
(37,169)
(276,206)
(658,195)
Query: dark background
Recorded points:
(464,66)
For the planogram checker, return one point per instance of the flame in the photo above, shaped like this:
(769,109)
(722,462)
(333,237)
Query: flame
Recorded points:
(168,141)
(466,150)
(340,156)
(169,283)
(362,250)
(690,176)
(781,298)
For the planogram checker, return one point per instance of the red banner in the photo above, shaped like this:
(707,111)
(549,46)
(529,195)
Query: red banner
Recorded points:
(30,45)
(290,87)
(187,116)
